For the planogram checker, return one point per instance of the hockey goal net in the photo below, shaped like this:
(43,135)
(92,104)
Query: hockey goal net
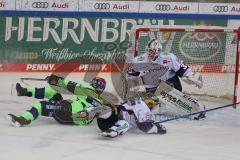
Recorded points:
(212,52)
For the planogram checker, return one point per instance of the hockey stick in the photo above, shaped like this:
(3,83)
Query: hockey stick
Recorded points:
(195,113)
(23,81)
(96,110)
(124,80)
(34,79)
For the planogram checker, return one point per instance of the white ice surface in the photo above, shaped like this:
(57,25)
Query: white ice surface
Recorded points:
(215,138)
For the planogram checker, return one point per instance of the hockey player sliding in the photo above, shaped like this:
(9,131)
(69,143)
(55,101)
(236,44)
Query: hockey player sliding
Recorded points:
(112,120)
(133,114)
(171,69)
(61,110)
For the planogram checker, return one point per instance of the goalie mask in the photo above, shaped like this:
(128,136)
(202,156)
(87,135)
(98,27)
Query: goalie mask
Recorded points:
(153,48)
(99,84)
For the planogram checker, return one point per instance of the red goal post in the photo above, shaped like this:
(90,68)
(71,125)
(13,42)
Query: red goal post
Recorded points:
(212,52)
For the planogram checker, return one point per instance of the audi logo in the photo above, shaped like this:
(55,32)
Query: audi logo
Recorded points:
(102,6)
(40,4)
(220,8)
(162,7)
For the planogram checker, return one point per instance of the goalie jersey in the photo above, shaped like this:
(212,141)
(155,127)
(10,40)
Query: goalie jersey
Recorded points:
(171,66)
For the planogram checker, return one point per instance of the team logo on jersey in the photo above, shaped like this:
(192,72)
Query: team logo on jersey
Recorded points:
(200,46)
(165,61)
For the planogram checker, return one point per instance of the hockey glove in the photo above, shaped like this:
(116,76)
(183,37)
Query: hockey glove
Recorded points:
(161,129)
(53,79)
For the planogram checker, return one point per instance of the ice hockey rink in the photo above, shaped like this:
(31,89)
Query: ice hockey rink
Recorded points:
(215,138)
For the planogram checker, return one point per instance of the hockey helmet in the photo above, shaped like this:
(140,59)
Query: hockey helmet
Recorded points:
(99,84)
(154,45)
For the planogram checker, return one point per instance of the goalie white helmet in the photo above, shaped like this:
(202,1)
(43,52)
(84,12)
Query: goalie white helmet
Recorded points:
(154,45)
(153,48)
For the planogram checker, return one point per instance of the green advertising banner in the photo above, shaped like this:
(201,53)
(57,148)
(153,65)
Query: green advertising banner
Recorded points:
(200,48)
(60,39)
(191,47)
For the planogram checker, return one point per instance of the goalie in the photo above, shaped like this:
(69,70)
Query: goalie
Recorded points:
(156,67)
(173,68)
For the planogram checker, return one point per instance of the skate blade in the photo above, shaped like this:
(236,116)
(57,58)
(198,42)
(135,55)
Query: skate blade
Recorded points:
(109,135)
(13,123)
(13,90)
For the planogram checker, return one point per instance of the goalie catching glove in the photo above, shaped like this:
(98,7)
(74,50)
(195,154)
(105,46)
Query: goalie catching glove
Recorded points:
(194,78)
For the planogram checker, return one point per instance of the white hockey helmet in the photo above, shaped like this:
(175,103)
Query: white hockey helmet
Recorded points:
(154,45)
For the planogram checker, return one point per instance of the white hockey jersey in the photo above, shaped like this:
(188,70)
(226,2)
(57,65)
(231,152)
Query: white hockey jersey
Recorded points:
(174,65)
(137,113)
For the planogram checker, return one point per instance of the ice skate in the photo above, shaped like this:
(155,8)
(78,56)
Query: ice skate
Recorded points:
(18,121)
(110,133)
(22,91)
(119,128)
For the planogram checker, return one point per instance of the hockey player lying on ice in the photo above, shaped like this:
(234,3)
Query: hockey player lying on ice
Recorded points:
(112,120)
(61,110)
